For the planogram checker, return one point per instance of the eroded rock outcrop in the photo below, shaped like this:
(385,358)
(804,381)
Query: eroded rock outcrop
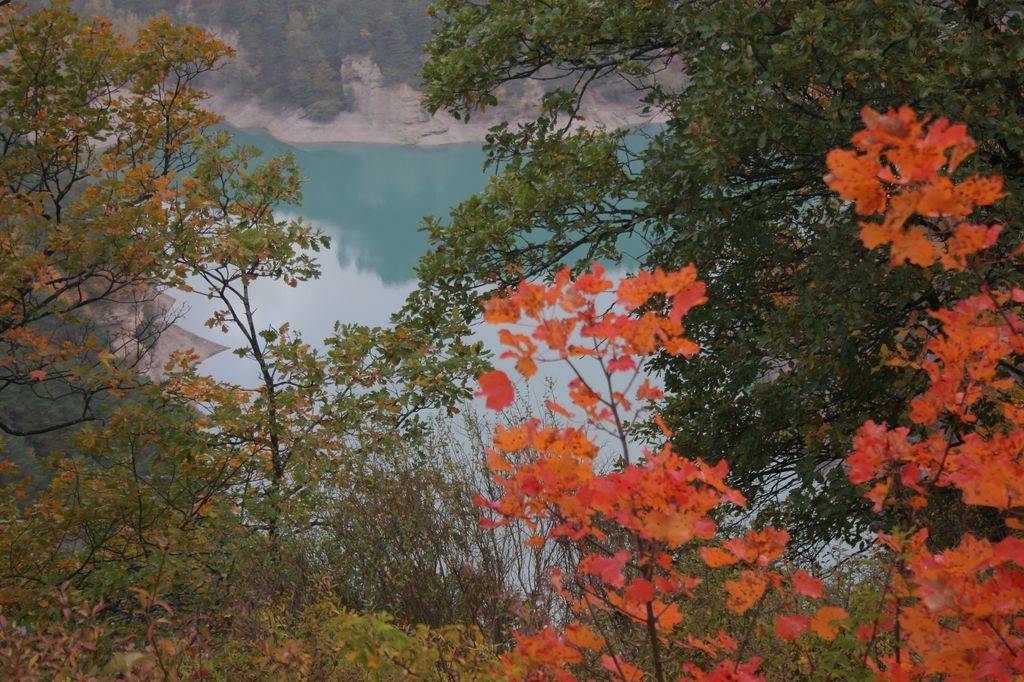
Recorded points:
(385,113)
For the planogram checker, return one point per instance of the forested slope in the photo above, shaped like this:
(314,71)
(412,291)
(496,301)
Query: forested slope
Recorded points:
(294,52)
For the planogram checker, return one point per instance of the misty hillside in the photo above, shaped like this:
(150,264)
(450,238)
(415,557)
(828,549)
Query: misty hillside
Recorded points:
(293,52)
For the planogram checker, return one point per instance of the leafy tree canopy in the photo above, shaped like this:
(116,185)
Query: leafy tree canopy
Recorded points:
(293,52)
(800,317)
(169,488)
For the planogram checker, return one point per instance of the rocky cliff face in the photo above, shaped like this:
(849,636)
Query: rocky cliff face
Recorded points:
(143,330)
(394,114)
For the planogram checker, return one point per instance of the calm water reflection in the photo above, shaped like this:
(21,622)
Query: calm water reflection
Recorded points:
(371,200)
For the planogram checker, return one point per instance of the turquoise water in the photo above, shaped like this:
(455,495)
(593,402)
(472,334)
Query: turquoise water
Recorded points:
(371,200)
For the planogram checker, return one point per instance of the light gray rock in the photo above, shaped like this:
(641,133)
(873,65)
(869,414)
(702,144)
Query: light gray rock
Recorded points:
(394,114)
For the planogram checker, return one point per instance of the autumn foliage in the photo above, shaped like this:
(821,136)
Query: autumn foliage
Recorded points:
(957,612)
(628,513)
(632,516)
(157,522)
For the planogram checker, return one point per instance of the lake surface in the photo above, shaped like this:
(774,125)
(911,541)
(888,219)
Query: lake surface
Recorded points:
(370,199)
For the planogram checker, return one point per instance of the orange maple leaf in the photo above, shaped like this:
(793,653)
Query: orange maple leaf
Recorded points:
(807,585)
(745,591)
(791,627)
(496,387)
(824,621)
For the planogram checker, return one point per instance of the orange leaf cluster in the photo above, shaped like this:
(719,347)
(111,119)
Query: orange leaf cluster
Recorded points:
(551,477)
(901,167)
(958,613)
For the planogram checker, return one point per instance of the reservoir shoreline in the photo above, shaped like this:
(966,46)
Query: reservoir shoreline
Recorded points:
(406,124)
